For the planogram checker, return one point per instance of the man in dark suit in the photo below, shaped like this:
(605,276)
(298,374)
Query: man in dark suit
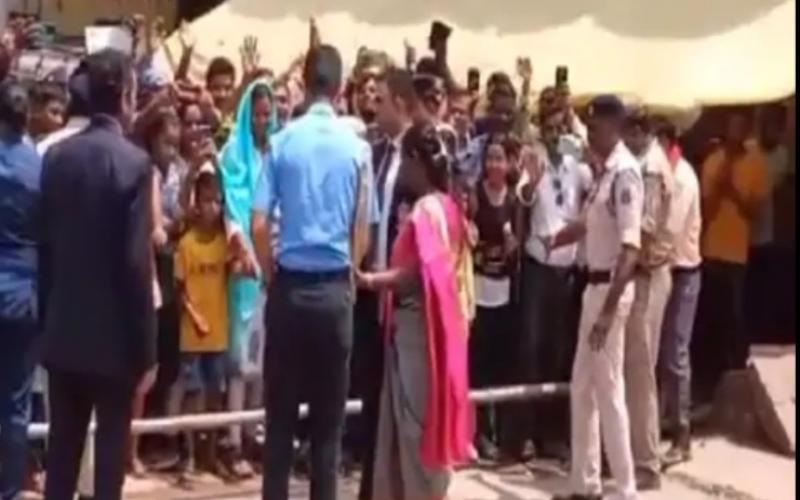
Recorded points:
(97,281)
(396,104)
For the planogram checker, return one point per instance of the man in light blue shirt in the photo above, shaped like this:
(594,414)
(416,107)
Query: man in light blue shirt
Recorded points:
(318,176)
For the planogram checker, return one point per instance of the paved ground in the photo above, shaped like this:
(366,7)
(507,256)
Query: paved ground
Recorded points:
(720,470)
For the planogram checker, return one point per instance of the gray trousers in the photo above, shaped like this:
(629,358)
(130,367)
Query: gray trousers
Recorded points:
(676,337)
(642,343)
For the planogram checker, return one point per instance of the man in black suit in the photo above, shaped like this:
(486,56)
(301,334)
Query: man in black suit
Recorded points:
(97,282)
(396,104)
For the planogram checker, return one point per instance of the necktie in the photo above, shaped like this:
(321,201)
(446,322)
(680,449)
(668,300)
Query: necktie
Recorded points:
(384,173)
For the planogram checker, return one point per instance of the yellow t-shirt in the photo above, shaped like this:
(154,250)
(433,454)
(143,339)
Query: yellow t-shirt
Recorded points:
(727,232)
(200,266)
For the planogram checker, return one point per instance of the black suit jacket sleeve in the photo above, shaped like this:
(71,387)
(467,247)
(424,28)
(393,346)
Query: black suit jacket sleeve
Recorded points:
(44,268)
(137,271)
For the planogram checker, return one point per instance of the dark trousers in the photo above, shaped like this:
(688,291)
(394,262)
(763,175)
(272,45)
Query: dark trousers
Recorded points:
(72,398)
(169,358)
(491,346)
(720,342)
(546,347)
(309,340)
(16,381)
(367,375)
(770,317)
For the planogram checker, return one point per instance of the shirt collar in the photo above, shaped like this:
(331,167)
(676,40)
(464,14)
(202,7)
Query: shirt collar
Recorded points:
(613,159)
(322,107)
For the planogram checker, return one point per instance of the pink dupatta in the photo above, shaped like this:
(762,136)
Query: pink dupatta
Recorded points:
(434,237)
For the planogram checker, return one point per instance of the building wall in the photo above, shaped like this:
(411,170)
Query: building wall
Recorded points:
(71,16)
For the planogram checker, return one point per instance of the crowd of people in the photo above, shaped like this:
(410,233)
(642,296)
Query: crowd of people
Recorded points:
(169,246)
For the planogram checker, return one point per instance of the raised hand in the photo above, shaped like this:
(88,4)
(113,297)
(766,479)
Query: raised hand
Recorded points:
(186,37)
(525,68)
(251,57)
(314,39)
(411,54)
(532,165)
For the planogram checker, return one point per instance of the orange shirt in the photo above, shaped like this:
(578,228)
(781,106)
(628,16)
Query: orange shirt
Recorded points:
(727,232)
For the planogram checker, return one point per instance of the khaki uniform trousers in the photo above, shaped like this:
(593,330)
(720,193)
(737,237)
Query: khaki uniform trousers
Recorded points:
(597,398)
(642,341)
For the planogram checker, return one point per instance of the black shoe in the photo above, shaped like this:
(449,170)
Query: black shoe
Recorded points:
(486,449)
(648,481)
(680,451)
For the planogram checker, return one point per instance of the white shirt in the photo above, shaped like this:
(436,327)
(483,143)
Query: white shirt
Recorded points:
(74,126)
(614,212)
(685,220)
(492,292)
(568,183)
(382,253)
(777,163)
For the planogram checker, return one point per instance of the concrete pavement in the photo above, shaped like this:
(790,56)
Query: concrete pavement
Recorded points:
(720,470)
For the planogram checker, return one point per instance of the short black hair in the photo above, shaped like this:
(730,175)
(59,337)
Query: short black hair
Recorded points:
(78,90)
(428,66)
(109,75)
(261,91)
(606,106)
(160,121)
(206,181)
(423,143)
(663,128)
(43,93)
(401,84)
(13,106)
(323,71)
(637,117)
(220,66)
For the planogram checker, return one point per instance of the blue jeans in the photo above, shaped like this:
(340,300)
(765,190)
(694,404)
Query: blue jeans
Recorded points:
(676,337)
(16,383)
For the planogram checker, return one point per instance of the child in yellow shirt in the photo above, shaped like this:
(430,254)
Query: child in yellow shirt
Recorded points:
(201,270)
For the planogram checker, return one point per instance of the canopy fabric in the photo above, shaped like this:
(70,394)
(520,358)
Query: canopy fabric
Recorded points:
(680,53)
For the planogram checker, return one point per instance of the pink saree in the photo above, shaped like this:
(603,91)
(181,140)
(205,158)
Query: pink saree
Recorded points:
(434,239)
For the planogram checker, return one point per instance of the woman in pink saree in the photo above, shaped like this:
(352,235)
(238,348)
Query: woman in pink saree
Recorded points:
(425,426)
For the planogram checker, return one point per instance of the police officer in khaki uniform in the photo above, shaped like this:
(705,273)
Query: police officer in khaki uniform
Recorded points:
(611,225)
(653,283)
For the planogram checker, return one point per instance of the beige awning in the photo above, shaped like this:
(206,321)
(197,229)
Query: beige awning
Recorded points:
(679,53)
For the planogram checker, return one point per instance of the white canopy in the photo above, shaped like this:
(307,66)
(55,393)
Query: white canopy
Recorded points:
(679,53)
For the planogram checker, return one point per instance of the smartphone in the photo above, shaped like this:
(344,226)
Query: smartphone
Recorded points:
(474,80)
(439,31)
(562,75)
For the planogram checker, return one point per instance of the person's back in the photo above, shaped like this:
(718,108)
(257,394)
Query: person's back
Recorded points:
(315,176)
(95,228)
(88,183)
(97,282)
(314,160)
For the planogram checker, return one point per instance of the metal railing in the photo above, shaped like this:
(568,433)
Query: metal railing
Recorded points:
(206,421)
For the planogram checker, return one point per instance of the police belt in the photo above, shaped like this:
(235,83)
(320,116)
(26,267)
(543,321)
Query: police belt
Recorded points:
(595,277)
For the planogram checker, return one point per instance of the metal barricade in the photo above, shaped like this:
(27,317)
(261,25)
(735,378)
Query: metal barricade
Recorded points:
(206,421)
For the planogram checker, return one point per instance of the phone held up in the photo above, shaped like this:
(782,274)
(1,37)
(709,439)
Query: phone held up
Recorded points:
(562,76)
(473,80)
(440,32)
